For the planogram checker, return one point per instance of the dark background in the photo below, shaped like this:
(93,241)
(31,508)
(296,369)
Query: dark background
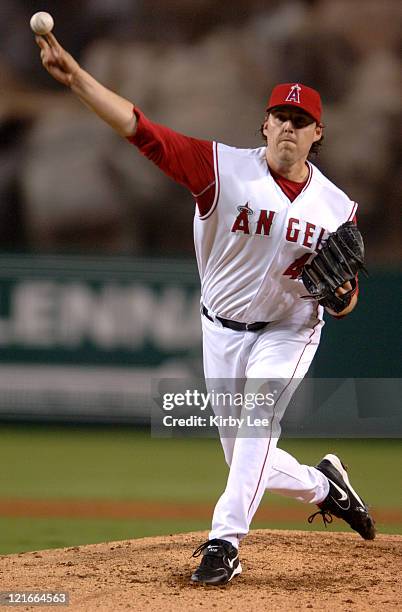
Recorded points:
(67,183)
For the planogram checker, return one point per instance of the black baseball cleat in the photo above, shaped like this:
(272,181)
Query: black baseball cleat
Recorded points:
(220,563)
(342,500)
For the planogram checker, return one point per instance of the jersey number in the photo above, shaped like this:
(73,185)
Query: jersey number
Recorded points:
(295,268)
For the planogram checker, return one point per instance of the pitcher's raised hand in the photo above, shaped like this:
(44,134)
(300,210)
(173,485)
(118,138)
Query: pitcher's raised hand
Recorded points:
(60,64)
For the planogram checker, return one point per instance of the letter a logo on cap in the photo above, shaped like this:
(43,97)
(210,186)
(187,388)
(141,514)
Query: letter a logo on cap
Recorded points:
(294,94)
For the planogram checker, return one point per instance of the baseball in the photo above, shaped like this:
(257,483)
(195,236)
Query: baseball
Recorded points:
(41,23)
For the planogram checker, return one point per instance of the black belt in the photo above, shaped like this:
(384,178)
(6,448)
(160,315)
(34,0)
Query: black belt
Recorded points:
(236,325)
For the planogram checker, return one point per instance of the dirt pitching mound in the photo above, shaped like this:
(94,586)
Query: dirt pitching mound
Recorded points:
(282,570)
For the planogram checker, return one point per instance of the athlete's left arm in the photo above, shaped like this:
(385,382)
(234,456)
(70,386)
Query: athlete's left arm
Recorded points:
(344,289)
(341,291)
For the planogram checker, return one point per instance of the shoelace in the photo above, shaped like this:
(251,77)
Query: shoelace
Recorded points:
(325,515)
(201,548)
(211,560)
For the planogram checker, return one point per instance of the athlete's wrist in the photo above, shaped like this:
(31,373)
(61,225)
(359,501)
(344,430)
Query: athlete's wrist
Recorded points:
(345,311)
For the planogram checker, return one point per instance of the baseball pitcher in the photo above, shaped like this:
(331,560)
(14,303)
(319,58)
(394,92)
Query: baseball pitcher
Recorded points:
(276,244)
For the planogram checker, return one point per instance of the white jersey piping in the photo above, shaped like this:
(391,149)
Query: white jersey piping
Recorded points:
(217,184)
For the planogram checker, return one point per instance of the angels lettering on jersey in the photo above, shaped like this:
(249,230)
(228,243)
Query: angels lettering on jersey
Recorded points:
(251,223)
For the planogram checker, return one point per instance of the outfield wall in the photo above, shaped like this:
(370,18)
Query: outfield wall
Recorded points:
(83,338)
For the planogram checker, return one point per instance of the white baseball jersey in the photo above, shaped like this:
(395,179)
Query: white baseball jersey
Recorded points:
(252,243)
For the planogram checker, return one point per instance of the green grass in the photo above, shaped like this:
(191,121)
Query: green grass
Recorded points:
(99,463)
(23,535)
(125,464)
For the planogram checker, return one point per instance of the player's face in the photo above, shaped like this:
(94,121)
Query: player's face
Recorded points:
(290,133)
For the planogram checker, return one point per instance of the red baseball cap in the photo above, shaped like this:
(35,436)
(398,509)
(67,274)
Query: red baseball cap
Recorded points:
(296,94)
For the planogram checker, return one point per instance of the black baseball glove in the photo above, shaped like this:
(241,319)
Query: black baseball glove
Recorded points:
(338,261)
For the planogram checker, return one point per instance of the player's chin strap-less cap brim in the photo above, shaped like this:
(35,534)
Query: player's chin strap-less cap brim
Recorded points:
(298,95)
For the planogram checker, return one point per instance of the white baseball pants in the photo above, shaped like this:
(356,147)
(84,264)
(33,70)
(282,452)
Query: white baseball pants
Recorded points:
(246,362)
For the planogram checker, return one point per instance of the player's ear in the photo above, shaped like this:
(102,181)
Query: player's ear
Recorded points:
(264,127)
(318,132)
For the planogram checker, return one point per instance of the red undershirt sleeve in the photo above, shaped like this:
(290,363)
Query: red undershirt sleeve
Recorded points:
(188,161)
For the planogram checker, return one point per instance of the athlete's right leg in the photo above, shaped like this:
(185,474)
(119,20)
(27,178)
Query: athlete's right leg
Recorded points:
(289,477)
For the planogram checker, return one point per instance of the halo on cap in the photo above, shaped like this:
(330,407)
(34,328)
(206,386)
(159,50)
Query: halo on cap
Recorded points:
(298,95)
